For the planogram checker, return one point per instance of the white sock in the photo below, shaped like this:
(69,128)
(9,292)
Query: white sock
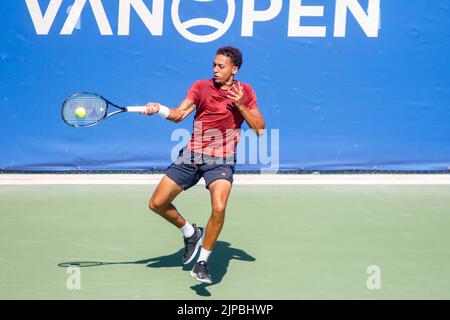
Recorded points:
(187,230)
(204,255)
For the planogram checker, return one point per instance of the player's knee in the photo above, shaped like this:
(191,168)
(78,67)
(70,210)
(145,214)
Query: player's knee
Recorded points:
(155,205)
(218,213)
(218,207)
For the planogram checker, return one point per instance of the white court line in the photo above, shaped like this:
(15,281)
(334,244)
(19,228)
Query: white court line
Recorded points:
(239,179)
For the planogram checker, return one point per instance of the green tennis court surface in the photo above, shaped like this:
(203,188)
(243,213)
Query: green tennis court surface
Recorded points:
(278,242)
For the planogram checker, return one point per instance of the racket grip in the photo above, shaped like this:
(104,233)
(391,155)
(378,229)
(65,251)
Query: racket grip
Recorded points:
(163,110)
(136,109)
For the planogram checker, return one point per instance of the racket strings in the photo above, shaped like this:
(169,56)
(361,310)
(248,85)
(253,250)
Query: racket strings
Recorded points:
(84,110)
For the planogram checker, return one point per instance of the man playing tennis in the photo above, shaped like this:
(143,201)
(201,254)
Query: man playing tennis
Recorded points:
(221,104)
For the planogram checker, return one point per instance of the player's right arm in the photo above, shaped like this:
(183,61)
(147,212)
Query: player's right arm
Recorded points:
(175,115)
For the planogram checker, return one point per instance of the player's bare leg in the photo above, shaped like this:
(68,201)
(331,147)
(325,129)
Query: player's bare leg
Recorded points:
(219,191)
(161,201)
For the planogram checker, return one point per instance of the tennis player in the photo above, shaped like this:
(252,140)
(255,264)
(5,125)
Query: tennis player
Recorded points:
(221,105)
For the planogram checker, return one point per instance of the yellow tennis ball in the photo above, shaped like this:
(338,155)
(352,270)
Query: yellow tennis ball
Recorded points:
(80,112)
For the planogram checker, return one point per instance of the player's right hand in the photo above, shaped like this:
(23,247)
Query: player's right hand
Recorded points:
(152,108)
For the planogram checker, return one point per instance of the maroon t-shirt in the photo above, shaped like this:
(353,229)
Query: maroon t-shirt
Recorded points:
(217,120)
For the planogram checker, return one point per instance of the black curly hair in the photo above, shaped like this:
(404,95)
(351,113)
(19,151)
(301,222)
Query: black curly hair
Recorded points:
(233,53)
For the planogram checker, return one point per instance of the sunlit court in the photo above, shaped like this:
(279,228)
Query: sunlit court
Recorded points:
(216,150)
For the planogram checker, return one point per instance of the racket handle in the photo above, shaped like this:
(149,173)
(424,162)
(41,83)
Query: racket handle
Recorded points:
(136,109)
(163,110)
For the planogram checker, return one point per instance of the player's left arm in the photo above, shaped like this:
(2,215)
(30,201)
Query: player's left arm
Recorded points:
(252,116)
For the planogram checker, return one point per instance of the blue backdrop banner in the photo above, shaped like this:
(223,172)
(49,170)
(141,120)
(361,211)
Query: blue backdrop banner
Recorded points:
(342,84)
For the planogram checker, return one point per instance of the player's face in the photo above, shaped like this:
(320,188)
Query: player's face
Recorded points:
(224,69)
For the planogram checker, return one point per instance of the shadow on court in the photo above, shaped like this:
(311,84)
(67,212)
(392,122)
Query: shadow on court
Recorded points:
(218,263)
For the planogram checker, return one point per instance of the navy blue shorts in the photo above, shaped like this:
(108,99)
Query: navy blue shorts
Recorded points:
(187,173)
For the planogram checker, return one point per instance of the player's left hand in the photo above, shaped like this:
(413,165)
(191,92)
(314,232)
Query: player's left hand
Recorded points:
(236,94)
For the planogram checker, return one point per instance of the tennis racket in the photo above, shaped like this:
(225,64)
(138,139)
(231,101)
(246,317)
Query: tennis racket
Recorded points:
(86,109)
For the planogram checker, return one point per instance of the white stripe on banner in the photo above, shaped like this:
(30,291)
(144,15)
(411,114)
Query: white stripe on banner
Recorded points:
(239,179)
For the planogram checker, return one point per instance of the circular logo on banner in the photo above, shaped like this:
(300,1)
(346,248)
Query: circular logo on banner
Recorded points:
(221,27)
